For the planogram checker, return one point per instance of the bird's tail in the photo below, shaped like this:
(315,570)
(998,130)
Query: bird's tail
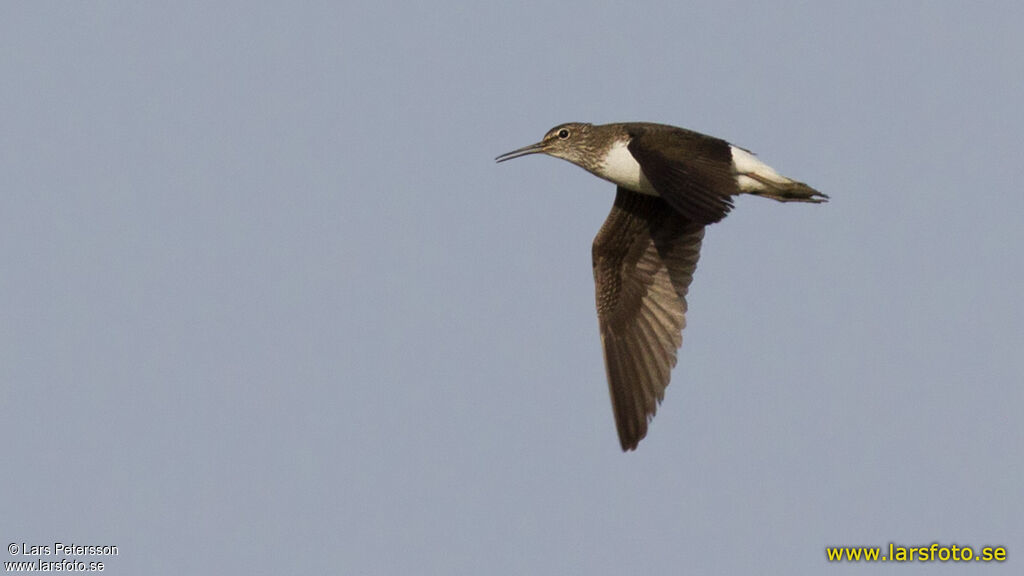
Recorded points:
(785,190)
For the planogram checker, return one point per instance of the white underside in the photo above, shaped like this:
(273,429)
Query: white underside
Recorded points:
(622,169)
(751,173)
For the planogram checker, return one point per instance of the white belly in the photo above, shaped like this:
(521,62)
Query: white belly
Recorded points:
(621,168)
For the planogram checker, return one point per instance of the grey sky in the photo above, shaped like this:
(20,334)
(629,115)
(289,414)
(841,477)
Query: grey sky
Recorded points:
(269,305)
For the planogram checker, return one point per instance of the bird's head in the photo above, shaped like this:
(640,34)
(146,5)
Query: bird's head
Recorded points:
(571,141)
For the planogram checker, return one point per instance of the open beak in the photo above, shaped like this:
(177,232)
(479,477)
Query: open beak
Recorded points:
(525,150)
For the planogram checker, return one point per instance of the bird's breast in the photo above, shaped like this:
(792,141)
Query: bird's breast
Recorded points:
(621,168)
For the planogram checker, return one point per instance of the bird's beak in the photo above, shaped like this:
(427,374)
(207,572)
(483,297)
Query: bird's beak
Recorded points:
(531,149)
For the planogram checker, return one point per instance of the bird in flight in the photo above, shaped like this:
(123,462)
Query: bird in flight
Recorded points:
(672,183)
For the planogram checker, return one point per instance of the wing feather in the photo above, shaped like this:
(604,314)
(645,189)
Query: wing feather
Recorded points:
(644,259)
(691,171)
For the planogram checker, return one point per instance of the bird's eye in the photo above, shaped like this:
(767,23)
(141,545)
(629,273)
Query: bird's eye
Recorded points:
(563,133)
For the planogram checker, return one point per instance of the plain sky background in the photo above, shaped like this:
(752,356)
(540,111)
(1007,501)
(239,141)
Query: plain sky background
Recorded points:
(269,306)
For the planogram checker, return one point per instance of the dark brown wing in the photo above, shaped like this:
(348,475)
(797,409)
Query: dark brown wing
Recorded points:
(692,172)
(644,258)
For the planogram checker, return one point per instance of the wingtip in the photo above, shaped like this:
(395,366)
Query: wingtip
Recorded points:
(630,441)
